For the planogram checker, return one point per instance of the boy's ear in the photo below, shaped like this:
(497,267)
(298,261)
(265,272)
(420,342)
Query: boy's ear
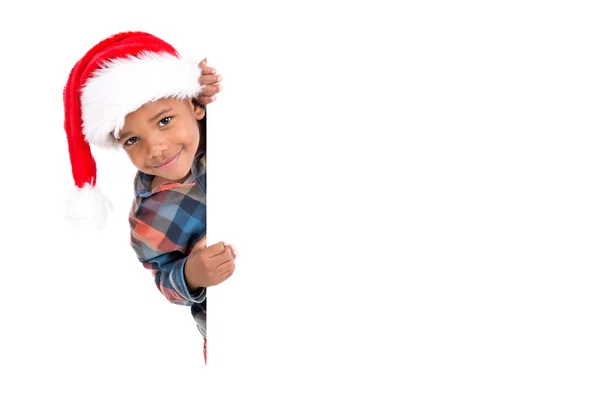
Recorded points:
(199,111)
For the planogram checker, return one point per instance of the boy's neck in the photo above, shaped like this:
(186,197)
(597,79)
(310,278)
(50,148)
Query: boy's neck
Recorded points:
(159,180)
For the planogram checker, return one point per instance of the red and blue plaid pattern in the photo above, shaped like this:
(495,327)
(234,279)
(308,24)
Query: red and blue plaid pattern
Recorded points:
(166,222)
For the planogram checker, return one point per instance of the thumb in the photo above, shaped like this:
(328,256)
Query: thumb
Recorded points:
(201,243)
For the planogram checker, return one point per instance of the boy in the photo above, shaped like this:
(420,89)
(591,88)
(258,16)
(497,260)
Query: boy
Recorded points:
(134,91)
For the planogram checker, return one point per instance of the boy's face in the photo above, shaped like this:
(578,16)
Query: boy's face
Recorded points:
(161,138)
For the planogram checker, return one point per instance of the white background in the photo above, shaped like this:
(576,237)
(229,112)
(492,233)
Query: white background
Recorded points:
(413,193)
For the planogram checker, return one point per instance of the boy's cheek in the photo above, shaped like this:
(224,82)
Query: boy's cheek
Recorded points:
(136,159)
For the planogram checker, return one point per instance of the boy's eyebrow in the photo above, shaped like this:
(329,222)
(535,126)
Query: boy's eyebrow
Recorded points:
(159,114)
(123,136)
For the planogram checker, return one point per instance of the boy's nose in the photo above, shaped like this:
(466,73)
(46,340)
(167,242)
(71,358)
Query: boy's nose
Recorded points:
(157,148)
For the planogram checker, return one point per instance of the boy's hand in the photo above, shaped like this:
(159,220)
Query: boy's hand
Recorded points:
(211,80)
(209,266)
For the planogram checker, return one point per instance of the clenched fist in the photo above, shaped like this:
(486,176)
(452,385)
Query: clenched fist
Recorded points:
(209,266)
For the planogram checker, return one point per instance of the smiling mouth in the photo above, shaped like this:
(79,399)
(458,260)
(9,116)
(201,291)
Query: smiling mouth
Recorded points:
(167,162)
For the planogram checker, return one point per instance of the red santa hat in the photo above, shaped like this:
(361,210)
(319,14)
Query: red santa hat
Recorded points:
(114,78)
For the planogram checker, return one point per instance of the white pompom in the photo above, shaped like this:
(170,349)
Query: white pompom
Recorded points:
(87,207)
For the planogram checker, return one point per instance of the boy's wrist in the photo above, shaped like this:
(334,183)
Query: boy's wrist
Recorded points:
(190,280)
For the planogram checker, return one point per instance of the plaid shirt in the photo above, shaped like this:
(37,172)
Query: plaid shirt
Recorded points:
(165,224)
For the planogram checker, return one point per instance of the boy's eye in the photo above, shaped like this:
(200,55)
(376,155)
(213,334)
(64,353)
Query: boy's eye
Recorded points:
(131,141)
(164,121)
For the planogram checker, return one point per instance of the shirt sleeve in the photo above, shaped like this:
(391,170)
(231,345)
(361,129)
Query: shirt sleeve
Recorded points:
(168,272)
(162,235)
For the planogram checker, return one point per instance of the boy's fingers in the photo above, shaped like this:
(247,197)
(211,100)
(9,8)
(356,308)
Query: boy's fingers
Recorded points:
(215,249)
(206,70)
(221,249)
(225,266)
(202,100)
(224,276)
(211,90)
(210,79)
(228,272)
(233,251)
(222,259)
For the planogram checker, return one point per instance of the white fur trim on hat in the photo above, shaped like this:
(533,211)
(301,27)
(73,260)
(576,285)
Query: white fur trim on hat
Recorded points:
(123,85)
